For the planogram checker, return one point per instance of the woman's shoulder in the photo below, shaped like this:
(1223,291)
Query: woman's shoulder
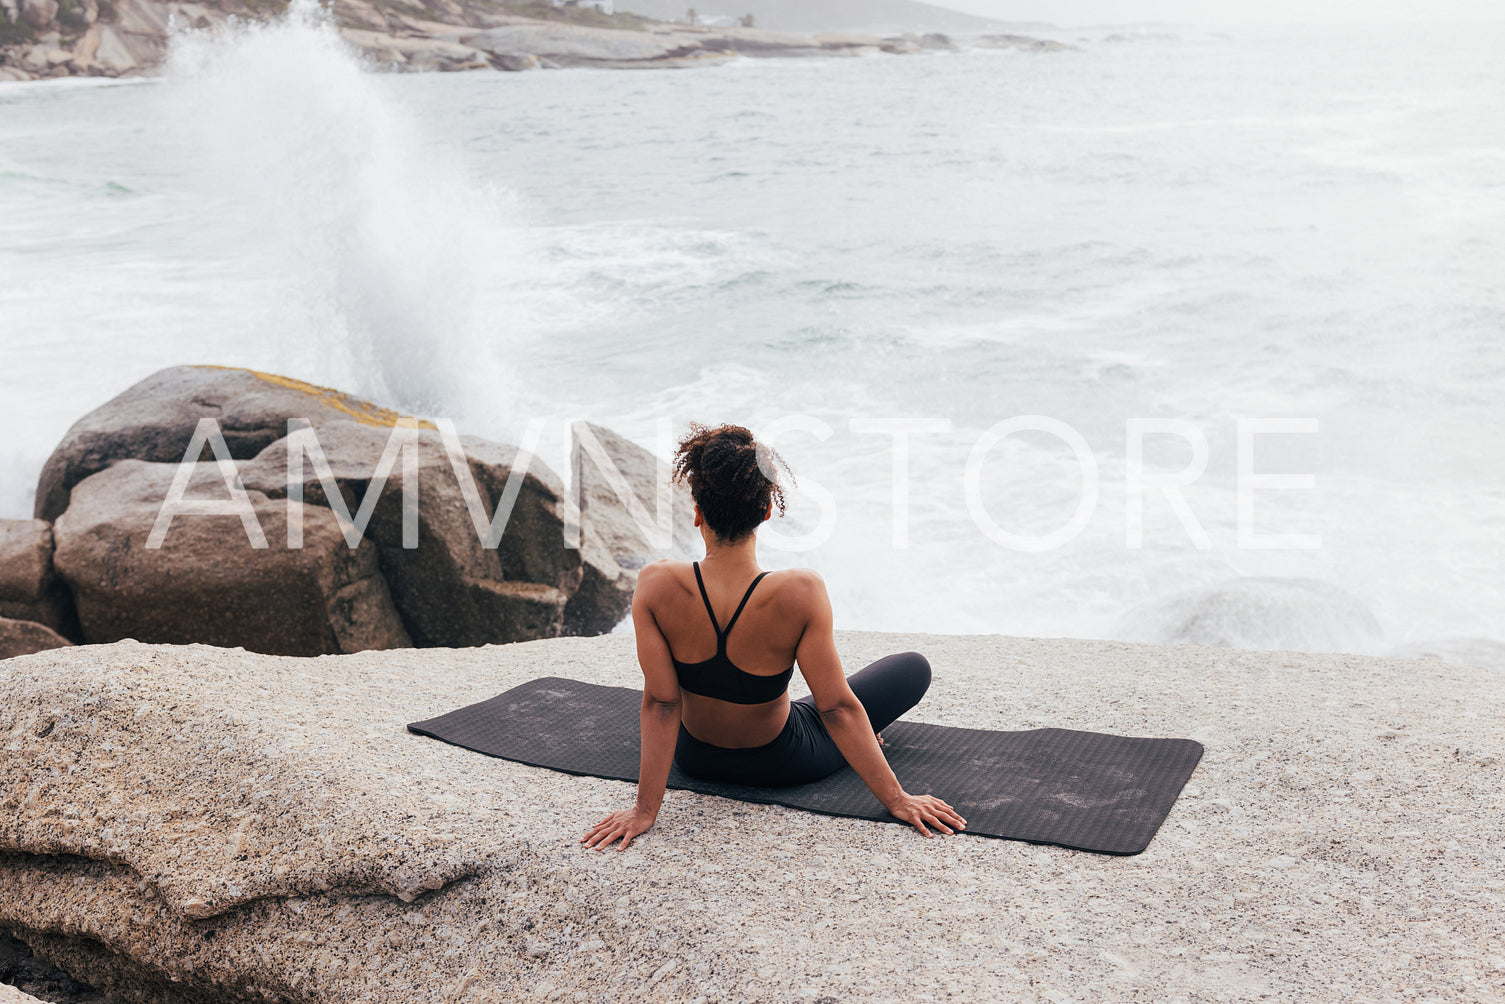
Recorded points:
(794,592)
(799,578)
(658,573)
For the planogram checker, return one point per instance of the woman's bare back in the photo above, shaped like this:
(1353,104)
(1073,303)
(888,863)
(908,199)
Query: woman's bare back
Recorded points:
(762,642)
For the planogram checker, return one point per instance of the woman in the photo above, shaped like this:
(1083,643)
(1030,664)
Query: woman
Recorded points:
(723,711)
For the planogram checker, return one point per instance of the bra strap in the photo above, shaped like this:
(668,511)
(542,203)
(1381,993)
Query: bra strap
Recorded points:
(703,595)
(745,597)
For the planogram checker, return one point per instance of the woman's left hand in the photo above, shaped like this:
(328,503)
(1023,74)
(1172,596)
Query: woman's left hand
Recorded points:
(624,823)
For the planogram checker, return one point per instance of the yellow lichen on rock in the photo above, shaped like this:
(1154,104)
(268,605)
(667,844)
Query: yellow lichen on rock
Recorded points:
(362,411)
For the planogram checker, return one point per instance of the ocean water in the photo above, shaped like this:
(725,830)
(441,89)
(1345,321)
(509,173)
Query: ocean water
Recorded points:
(1202,226)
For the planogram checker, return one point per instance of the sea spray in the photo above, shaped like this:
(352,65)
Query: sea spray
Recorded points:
(375,244)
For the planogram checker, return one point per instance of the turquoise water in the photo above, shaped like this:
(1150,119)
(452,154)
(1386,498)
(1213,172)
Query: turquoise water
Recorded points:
(1196,226)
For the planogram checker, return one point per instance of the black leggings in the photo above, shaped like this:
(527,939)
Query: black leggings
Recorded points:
(805,751)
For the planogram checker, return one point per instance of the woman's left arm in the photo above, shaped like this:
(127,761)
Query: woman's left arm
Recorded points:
(659,718)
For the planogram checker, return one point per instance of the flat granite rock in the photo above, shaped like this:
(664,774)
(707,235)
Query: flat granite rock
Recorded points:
(189,823)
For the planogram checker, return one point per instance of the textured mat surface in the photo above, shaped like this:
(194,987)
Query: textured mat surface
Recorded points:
(1085,790)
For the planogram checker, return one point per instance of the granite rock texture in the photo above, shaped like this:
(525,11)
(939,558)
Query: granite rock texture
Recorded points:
(200,824)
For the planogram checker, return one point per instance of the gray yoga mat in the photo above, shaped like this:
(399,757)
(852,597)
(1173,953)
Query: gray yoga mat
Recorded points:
(1085,790)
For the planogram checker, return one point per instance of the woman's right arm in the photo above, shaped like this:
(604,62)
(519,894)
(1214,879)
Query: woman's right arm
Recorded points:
(846,719)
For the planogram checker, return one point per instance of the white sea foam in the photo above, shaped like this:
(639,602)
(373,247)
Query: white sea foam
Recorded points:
(376,242)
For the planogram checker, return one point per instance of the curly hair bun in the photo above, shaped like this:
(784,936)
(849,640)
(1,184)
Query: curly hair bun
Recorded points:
(732,477)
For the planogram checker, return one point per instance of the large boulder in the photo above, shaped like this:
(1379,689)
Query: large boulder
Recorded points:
(155,420)
(26,637)
(207,582)
(451,589)
(613,542)
(195,824)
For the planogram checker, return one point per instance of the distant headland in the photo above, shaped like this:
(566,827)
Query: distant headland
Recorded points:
(47,39)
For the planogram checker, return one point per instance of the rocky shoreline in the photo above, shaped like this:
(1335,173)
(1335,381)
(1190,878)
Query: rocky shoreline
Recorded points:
(200,824)
(46,39)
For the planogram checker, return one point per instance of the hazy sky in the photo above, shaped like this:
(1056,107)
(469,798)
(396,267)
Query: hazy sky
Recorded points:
(1204,11)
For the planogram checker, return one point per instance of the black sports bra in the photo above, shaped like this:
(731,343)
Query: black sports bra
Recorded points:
(717,677)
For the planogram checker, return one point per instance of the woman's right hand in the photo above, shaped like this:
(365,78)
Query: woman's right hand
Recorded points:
(921,809)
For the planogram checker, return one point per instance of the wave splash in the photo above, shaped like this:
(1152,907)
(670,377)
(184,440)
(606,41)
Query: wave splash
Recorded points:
(374,243)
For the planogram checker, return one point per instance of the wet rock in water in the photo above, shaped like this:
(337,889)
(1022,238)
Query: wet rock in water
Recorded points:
(902,45)
(415,53)
(515,62)
(155,420)
(1256,612)
(574,45)
(1023,43)
(847,43)
(208,582)
(760,42)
